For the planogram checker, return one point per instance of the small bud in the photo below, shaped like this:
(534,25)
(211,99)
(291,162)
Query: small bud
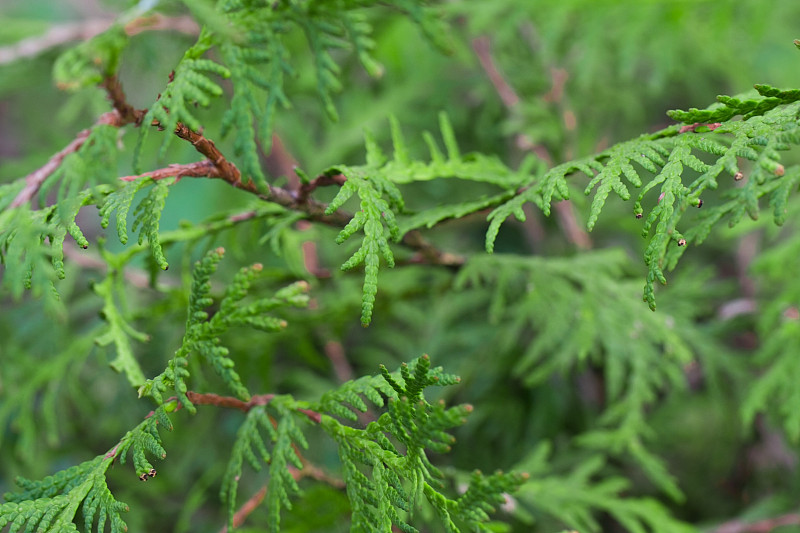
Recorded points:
(738,176)
(258,267)
(681,242)
(779,170)
(639,215)
(699,203)
(661,197)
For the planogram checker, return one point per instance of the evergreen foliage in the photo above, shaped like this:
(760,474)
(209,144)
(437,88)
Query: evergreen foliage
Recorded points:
(593,412)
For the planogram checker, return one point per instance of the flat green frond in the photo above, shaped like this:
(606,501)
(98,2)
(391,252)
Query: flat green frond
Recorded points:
(684,163)
(189,85)
(94,163)
(202,335)
(282,484)
(323,36)
(429,21)
(386,482)
(433,216)
(346,401)
(359,33)
(258,65)
(144,440)
(514,207)
(50,505)
(774,391)
(647,154)
(31,244)
(35,408)
(248,442)
(473,166)
(554,184)
(376,219)
(147,216)
(727,107)
(378,178)
(484,495)
(119,202)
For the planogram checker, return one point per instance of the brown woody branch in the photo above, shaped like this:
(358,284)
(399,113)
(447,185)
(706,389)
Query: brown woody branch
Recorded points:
(217,166)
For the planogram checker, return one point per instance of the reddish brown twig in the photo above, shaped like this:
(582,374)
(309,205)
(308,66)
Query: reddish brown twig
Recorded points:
(114,92)
(322,180)
(195,170)
(248,507)
(234,403)
(694,127)
(507,94)
(341,366)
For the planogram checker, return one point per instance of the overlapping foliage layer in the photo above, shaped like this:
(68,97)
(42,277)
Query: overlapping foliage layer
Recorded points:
(575,382)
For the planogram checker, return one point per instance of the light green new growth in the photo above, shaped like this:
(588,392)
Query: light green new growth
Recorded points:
(189,85)
(146,214)
(374,210)
(378,178)
(769,126)
(30,262)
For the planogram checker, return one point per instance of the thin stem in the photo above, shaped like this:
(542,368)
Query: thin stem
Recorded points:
(235,403)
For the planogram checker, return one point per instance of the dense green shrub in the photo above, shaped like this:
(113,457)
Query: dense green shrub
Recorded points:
(380,180)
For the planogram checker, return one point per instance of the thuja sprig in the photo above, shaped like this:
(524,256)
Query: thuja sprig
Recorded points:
(385,465)
(202,336)
(52,504)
